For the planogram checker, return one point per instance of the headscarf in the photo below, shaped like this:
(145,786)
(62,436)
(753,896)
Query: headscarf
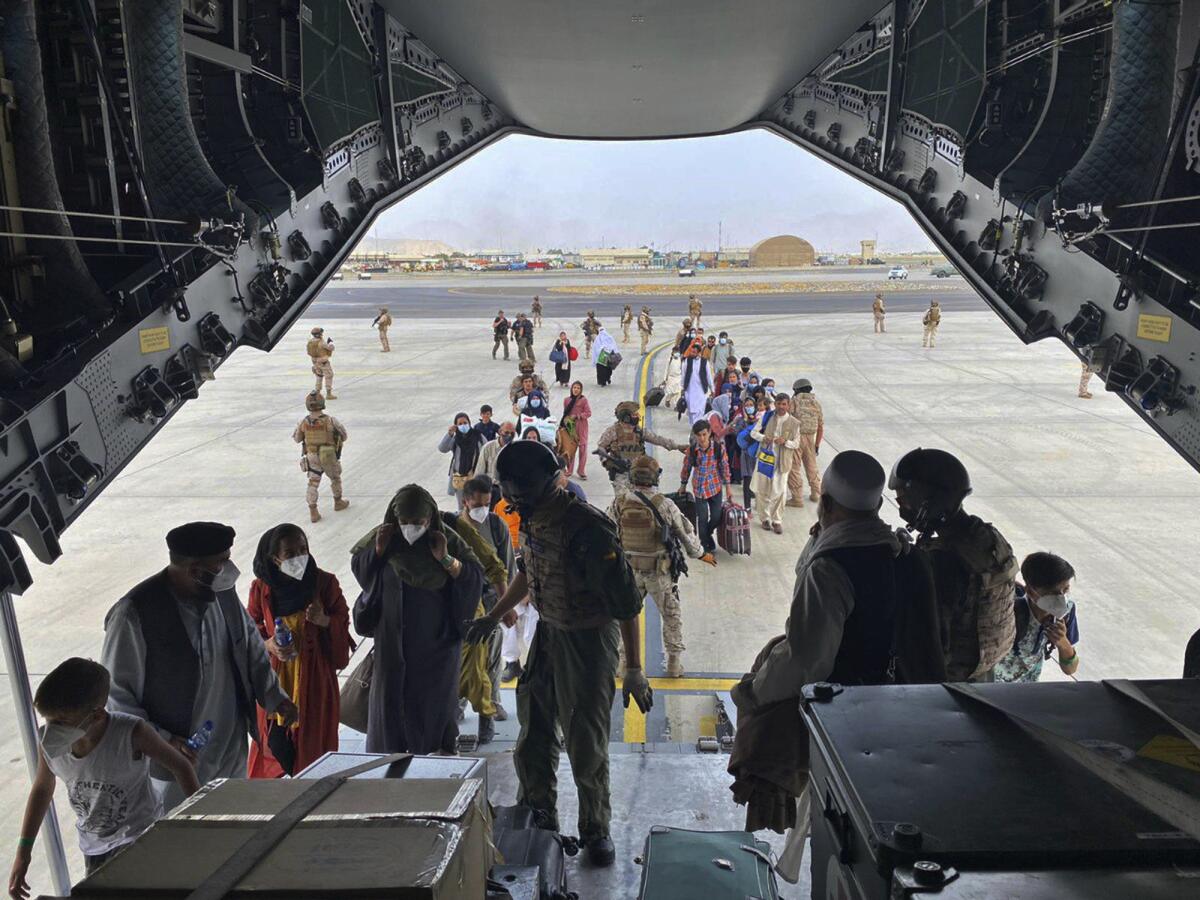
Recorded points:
(536,412)
(603,341)
(413,563)
(722,406)
(467,445)
(287,594)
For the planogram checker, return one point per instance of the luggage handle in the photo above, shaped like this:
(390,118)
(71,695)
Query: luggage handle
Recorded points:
(834,811)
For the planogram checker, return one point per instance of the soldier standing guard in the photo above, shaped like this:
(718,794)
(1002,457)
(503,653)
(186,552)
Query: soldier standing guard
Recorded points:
(806,409)
(654,535)
(589,603)
(645,327)
(383,322)
(322,437)
(931,320)
(320,349)
(695,309)
(535,310)
(879,311)
(626,321)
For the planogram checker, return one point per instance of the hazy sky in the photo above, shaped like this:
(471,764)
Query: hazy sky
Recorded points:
(526,193)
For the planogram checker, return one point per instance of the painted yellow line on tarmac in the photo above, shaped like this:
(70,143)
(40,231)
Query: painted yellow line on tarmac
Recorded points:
(358,373)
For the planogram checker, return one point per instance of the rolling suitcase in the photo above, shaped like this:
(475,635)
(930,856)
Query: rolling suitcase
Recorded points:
(734,534)
(686,503)
(522,843)
(714,865)
(655,396)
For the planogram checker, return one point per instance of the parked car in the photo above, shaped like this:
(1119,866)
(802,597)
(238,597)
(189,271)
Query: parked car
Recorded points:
(687,272)
(364,276)
(942,272)
(337,276)
(897,273)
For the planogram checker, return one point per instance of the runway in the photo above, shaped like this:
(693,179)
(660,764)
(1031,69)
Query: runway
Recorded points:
(355,301)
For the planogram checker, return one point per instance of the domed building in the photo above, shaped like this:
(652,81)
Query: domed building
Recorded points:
(785,250)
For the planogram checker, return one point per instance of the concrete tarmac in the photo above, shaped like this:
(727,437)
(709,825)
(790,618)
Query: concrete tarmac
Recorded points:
(1084,478)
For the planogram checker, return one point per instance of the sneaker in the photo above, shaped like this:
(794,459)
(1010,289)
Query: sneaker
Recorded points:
(600,852)
(512,671)
(766,525)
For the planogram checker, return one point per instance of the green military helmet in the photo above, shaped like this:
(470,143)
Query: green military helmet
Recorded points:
(801,386)
(645,471)
(314,402)
(318,331)
(930,487)
(645,309)
(525,367)
(627,408)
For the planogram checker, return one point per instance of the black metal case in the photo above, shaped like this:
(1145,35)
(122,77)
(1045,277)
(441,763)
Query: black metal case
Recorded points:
(1000,779)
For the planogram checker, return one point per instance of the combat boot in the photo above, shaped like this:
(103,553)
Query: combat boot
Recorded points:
(600,852)
(330,395)
(339,504)
(674,666)
(313,515)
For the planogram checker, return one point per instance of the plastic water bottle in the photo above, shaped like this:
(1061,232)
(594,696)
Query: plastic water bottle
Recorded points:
(283,634)
(200,739)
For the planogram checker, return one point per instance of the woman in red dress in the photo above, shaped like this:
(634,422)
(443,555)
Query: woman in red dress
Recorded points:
(289,587)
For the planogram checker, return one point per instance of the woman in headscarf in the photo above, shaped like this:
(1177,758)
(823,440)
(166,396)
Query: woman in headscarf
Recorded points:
(562,370)
(673,381)
(465,443)
(575,415)
(421,585)
(289,588)
(605,344)
(535,406)
(740,428)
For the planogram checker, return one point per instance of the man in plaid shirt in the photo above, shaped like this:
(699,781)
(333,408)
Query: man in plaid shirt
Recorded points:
(705,461)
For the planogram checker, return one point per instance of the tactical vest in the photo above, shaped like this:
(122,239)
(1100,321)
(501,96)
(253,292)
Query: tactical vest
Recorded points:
(877,306)
(807,411)
(984,632)
(641,535)
(933,316)
(560,593)
(645,323)
(385,321)
(629,443)
(318,349)
(318,432)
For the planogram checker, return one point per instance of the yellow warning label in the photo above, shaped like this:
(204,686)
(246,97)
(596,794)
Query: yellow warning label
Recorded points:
(1154,328)
(1175,751)
(152,340)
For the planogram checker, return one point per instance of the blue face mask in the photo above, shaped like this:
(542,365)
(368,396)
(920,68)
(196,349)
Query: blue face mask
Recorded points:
(750,410)
(535,402)
(724,340)
(463,428)
(770,389)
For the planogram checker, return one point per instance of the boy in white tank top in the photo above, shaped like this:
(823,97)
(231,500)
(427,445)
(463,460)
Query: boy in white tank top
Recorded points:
(104,760)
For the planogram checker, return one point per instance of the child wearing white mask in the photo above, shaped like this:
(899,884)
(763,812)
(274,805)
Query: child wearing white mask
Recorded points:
(1047,626)
(104,760)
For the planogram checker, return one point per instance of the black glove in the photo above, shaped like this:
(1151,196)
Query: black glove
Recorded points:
(478,631)
(636,687)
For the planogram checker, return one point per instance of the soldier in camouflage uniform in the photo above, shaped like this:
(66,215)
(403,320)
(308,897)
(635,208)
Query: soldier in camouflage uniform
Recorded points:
(591,328)
(975,572)
(806,409)
(878,310)
(383,322)
(589,602)
(641,533)
(645,326)
(535,310)
(525,370)
(1085,378)
(322,437)
(626,321)
(931,320)
(695,309)
(625,440)
(320,351)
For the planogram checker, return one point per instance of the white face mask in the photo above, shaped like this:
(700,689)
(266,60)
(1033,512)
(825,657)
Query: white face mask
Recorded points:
(412,533)
(463,428)
(57,738)
(1056,605)
(224,580)
(478,513)
(295,566)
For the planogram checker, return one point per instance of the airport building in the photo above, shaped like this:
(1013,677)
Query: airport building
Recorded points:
(782,251)
(616,257)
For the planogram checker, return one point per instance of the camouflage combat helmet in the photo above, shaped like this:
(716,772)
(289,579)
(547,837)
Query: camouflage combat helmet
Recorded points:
(645,470)
(318,331)
(525,366)
(314,402)
(627,407)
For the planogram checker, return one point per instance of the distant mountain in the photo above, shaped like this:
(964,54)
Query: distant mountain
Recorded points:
(402,247)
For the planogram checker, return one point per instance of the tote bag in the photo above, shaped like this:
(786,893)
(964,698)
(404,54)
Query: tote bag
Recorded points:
(356,694)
